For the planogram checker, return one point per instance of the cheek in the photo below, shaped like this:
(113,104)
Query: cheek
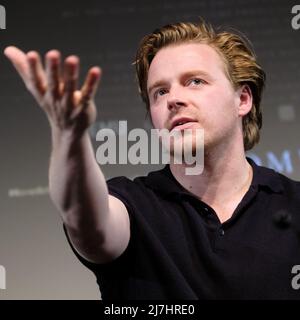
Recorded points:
(220,111)
(224,104)
(157,118)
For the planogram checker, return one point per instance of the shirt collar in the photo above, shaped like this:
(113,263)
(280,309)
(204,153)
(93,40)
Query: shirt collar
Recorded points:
(265,177)
(164,182)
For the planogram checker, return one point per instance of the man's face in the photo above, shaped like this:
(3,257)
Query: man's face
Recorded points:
(188,80)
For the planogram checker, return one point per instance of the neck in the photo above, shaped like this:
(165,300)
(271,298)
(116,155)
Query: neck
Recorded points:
(226,176)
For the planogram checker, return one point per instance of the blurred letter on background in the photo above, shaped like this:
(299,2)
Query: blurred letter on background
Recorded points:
(2,17)
(2,278)
(296,18)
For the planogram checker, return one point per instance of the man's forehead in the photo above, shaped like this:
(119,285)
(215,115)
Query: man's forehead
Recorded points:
(184,58)
(186,50)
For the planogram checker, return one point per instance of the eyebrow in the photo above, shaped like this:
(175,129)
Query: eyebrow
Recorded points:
(161,83)
(157,84)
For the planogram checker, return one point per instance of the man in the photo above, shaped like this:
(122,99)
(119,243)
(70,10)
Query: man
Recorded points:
(170,235)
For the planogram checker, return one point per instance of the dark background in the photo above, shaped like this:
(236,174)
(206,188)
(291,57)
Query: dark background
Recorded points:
(39,264)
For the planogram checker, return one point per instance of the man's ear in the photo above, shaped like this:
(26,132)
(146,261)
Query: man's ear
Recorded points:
(245,100)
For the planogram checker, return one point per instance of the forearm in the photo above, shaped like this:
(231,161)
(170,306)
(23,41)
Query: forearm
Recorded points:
(98,225)
(77,184)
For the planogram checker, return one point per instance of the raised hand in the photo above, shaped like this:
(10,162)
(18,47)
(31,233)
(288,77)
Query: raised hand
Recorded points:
(55,88)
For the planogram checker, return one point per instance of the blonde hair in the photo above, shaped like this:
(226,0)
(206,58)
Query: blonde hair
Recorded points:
(241,66)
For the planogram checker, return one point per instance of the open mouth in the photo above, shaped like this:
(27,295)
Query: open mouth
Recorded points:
(182,123)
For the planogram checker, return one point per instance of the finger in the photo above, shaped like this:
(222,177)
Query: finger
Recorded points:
(90,85)
(71,71)
(53,73)
(37,77)
(77,97)
(19,60)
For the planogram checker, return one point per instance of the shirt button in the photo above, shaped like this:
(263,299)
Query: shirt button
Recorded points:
(222,232)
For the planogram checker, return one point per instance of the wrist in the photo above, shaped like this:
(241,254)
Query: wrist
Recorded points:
(67,136)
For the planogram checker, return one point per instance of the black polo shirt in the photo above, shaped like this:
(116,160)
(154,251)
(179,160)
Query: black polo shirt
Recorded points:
(179,249)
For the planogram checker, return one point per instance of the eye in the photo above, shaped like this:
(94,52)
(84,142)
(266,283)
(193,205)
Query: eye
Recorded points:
(160,92)
(195,81)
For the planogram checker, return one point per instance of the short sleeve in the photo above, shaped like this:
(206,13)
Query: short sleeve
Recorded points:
(116,188)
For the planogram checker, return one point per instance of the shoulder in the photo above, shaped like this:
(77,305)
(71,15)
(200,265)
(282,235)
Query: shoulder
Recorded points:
(152,181)
(144,194)
(287,188)
(273,180)
(125,185)
(289,185)
(134,192)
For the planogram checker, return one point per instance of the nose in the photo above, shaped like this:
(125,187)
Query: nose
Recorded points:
(175,103)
